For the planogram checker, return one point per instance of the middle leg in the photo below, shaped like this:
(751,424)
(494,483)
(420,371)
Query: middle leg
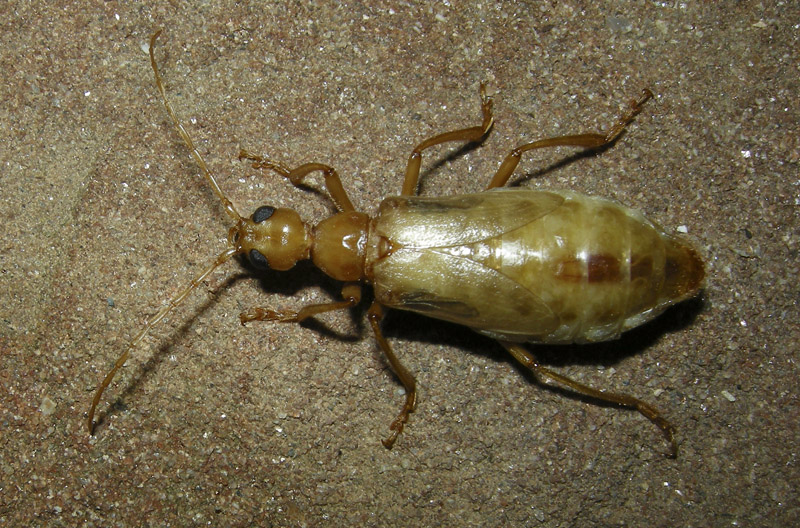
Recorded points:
(465,134)
(375,316)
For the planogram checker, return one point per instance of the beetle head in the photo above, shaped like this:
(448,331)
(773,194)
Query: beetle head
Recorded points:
(273,238)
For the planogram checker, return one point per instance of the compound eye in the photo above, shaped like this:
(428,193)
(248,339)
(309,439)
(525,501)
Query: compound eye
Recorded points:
(258,259)
(263,213)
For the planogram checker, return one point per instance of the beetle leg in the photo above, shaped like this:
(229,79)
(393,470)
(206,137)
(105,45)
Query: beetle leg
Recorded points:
(350,291)
(375,316)
(470,134)
(586,141)
(332,181)
(651,413)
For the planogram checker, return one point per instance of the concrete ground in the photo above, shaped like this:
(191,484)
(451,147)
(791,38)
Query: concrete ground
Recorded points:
(105,216)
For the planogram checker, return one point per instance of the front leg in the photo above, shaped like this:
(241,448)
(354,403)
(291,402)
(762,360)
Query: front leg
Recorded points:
(350,291)
(332,181)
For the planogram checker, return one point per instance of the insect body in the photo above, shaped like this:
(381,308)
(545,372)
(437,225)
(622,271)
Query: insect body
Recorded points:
(516,265)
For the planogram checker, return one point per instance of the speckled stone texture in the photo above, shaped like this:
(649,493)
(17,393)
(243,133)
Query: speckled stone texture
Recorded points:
(105,215)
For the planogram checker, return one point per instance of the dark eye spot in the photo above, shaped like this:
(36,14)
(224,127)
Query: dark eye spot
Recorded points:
(258,259)
(263,213)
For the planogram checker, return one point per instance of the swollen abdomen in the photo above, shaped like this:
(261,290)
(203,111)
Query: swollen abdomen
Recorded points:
(522,265)
(600,267)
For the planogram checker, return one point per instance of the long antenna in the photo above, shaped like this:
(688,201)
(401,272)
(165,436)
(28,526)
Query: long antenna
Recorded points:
(229,208)
(179,297)
(174,302)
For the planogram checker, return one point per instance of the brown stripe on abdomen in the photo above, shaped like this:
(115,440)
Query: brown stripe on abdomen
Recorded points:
(599,269)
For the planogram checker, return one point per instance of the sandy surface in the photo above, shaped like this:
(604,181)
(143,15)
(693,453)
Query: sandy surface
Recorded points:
(104,216)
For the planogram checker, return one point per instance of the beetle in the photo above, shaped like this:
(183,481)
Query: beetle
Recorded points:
(516,265)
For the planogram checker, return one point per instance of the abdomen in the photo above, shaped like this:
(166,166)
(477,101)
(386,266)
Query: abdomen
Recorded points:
(521,265)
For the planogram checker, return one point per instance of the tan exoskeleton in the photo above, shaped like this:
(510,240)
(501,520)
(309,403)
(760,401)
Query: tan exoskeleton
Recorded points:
(513,264)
